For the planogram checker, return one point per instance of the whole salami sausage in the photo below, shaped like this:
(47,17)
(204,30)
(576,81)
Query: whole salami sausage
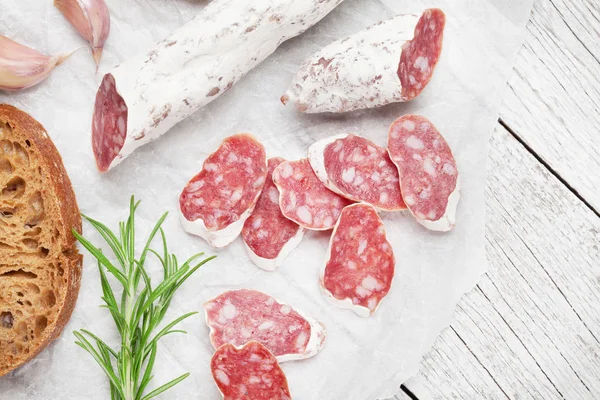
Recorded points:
(391,61)
(268,235)
(360,263)
(217,201)
(248,372)
(357,169)
(304,199)
(239,316)
(144,97)
(428,174)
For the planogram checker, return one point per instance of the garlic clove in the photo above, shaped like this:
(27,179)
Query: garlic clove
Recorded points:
(97,54)
(22,67)
(91,19)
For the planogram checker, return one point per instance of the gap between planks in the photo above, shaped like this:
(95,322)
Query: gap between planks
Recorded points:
(408,393)
(547,166)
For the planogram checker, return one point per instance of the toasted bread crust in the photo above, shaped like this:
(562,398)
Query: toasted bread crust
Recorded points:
(61,193)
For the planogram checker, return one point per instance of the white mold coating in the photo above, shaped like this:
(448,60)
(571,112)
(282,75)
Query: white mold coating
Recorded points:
(355,72)
(209,54)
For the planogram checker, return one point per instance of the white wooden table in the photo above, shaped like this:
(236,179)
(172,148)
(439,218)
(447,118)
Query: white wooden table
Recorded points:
(531,327)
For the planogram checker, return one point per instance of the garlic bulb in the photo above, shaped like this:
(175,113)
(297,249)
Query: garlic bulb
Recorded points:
(22,67)
(90,18)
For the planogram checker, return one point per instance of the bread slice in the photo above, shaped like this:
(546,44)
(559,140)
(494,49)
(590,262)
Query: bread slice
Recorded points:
(40,268)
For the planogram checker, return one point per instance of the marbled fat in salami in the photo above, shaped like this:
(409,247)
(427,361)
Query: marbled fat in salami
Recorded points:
(360,264)
(428,174)
(421,54)
(239,316)
(304,199)
(357,169)
(391,61)
(109,124)
(248,372)
(217,201)
(268,235)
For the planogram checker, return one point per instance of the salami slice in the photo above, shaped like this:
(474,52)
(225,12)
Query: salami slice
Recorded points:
(144,97)
(304,199)
(215,203)
(248,372)
(391,61)
(239,316)
(360,262)
(428,174)
(268,235)
(357,169)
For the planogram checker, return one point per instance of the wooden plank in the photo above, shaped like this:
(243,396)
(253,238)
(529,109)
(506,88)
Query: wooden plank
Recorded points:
(530,329)
(553,101)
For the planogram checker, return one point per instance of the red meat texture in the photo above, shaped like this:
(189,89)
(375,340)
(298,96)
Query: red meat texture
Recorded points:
(267,231)
(421,54)
(229,184)
(428,172)
(109,123)
(249,372)
(361,261)
(304,199)
(239,316)
(363,171)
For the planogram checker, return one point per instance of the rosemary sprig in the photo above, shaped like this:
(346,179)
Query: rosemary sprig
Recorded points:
(140,310)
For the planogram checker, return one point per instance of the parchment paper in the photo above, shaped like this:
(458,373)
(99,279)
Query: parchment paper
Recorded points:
(363,358)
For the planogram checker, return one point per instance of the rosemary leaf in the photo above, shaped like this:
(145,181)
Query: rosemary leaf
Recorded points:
(164,387)
(142,306)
